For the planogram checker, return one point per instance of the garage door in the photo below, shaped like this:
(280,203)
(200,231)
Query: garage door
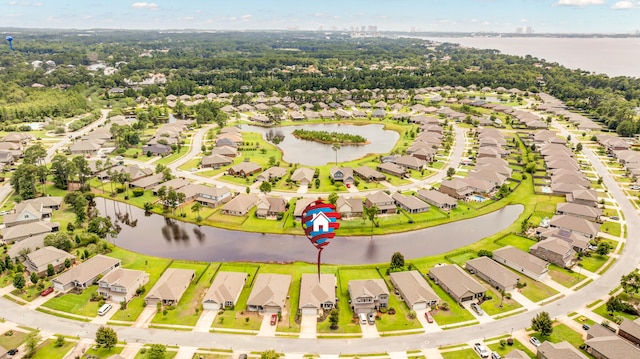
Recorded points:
(211,306)
(422,305)
(309,311)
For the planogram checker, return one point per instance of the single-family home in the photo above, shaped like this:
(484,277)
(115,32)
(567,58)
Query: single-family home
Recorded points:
(368,174)
(227,151)
(630,330)
(39,260)
(317,295)
(438,199)
(224,291)
(6,157)
(368,295)
(215,161)
(22,231)
(392,169)
(27,245)
(341,174)
(273,173)
(85,274)
(410,162)
(493,273)
(576,225)
(587,197)
(382,201)
(147,182)
(414,289)
(269,293)
(611,347)
(555,250)
(120,285)
(455,281)
(457,188)
(270,207)
(26,212)
(84,148)
(244,169)
(410,204)
(170,287)
(561,350)
(522,262)
(156,149)
(303,176)
(349,207)
(240,205)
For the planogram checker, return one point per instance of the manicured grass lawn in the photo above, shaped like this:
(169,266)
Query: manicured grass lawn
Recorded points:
(48,350)
(12,341)
(460,354)
(187,311)
(612,228)
(564,276)
(192,163)
(398,321)
(492,306)
(509,348)
(104,353)
(78,304)
(455,314)
(536,291)
(593,263)
(167,355)
(31,292)
(516,241)
(174,156)
(602,311)
(461,258)
(562,332)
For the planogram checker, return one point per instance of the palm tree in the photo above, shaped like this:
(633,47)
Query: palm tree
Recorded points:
(371,213)
(181,199)
(336,147)
(196,208)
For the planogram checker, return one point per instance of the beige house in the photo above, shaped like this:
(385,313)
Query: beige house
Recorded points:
(120,285)
(522,262)
(303,176)
(25,212)
(555,250)
(269,293)
(415,290)
(493,273)
(611,347)
(455,281)
(368,295)
(438,199)
(85,274)
(224,291)
(240,205)
(38,261)
(562,350)
(316,296)
(383,201)
(170,287)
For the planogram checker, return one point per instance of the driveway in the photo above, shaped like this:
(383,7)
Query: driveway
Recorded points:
(266,329)
(308,325)
(103,319)
(428,327)
(369,331)
(205,321)
(145,317)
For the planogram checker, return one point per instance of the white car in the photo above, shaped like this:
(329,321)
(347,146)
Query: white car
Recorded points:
(476,308)
(535,341)
(481,350)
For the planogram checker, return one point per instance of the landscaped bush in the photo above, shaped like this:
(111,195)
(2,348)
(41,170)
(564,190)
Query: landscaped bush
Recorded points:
(138,192)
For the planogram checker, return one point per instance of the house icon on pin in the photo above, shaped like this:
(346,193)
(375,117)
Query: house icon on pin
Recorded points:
(320,220)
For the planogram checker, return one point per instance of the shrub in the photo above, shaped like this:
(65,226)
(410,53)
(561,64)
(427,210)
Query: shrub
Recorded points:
(138,192)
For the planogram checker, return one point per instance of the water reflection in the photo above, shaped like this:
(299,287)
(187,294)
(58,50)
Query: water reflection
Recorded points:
(162,237)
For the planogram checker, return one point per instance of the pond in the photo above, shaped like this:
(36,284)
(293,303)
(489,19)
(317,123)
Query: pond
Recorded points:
(162,237)
(312,153)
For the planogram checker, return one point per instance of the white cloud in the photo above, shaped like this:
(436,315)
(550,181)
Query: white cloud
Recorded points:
(623,5)
(144,5)
(486,23)
(26,3)
(13,14)
(524,20)
(246,17)
(186,18)
(579,2)
(474,20)
(318,14)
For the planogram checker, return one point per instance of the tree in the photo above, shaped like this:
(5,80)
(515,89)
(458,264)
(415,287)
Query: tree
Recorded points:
(61,170)
(50,270)
(450,172)
(196,208)
(397,261)
(80,209)
(371,213)
(157,351)
(34,277)
(614,304)
(269,354)
(631,282)
(485,253)
(34,154)
(23,181)
(336,147)
(579,147)
(67,262)
(81,168)
(604,248)
(60,240)
(181,199)
(334,318)
(542,324)
(18,281)
(333,198)
(265,187)
(106,337)
(100,226)
(31,343)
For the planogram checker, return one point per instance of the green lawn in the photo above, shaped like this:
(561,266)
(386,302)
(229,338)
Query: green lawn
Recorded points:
(612,228)
(168,355)
(104,353)
(602,311)
(460,354)
(48,350)
(492,306)
(509,348)
(564,276)
(31,292)
(78,304)
(12,341)
(174,156)
(593,263)
(561,333)
(517,241)
(536,291)
(455,314)
(188,311)
(398,321)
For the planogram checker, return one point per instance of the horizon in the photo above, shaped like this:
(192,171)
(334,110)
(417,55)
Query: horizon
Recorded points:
(572,17)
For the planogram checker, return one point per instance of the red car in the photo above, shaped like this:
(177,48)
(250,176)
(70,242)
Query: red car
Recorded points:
(47,291)
(428,316)
(274,319)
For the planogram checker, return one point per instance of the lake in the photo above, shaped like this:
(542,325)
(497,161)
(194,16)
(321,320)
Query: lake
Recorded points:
(162,237)
(611,56)
(312,153)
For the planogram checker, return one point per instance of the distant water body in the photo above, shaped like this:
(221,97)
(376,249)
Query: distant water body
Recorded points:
(611,56)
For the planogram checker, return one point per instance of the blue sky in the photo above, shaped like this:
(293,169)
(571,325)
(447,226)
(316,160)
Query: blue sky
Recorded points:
(544,16)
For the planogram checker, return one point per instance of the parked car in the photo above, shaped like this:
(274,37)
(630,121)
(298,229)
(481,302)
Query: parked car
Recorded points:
(535,341)
(371,318)
(586,326)
(495,355)
(47,291)
(481,350)
(13,351)
(242,356)
(274,319)
(476,308)
(428,316)
(614,218)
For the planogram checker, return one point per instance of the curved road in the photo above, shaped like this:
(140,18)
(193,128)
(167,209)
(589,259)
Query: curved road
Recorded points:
(595,290)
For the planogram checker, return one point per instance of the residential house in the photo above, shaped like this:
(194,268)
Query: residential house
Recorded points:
(156,149)
(630,330)
(270,207)
(303,176)
(215,161)
(579,210)
(574,224)
(410,204)
(147,182)
(269,293)
(368,295)
(85,274)
(410,162)
(611,347)
(273,173)
(317,295)
(588,197)
(555,250)
(457,188)
(455,281)
(349,207)
(382,201)
(227,151)
(578,242)
(39,260)
(414,289)
(493,273)
(392,169)
(27,245)
(240,205)
(369,174)
(244,169)
(301,204)
(438,199)
(224,291)
(341,174)
(561,350)
(120,285)
(6,157)
(84,148)
(522,262)
(170,287)
(23,231)
(26,212)
(50,202)
(176,184)
(516,354)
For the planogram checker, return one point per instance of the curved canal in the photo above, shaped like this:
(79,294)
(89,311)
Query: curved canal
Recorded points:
(162,237)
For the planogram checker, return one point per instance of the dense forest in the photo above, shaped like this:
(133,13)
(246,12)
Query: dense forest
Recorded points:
(204,62)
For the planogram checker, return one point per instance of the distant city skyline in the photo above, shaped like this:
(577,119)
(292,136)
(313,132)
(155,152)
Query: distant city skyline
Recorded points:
(541,16)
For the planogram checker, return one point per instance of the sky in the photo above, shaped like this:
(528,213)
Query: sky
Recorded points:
(543,16)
